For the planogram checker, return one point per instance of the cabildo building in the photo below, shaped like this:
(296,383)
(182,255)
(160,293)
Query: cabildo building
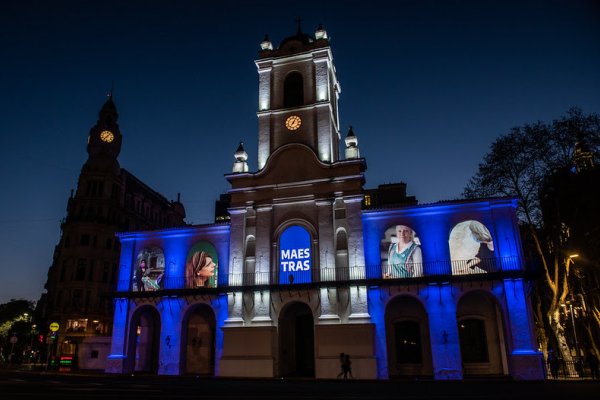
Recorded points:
(304,271)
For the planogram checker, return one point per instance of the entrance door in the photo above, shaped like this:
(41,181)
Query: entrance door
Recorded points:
(296,341)
(200,350)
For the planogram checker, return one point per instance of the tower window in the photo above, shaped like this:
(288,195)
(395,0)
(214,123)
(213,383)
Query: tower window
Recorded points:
(293,90)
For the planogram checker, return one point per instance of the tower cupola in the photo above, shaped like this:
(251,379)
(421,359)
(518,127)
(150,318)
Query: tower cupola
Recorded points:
(352,151)
(240,164)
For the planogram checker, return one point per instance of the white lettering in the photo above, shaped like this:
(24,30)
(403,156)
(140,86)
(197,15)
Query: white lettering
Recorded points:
(295,260)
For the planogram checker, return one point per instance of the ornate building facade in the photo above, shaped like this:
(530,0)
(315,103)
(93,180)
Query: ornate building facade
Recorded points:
(304,270)
(83,273)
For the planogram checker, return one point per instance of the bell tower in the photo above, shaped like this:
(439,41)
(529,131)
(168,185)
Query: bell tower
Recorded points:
(298,96)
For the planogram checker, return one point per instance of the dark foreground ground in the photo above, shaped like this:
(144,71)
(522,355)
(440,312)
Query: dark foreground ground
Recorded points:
(42,385)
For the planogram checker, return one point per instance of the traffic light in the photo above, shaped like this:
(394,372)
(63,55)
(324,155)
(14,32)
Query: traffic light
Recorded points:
(41,338)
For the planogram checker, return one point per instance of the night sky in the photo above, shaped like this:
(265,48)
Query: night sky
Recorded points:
(426,85)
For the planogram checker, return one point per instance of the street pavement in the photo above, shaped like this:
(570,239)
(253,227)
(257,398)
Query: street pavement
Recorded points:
(15,384)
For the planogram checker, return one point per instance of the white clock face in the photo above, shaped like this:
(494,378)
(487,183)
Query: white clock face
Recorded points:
(107,136)
(293,122)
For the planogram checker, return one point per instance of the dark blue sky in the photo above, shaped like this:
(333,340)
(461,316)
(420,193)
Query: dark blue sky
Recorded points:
(427,86)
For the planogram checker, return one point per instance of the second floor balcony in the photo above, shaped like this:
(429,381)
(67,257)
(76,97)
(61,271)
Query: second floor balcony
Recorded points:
(427,272)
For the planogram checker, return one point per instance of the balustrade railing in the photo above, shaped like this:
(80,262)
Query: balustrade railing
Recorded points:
(413,271)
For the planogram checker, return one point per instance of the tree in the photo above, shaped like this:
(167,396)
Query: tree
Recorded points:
(15,319)
(517,165)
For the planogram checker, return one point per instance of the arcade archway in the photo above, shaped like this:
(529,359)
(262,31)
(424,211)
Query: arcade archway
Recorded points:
(144,340)
(407,337)
(198,352)
(481,335)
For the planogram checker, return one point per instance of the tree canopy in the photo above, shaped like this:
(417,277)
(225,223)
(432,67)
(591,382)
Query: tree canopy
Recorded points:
(519,161)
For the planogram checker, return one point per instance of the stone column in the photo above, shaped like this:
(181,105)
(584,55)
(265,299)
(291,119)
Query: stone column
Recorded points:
(525,361)
(443,331)
(171,313)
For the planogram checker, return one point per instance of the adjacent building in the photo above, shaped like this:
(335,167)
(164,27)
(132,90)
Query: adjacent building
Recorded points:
(85,264)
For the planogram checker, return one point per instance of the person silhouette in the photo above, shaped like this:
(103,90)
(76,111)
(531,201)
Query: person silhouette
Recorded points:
(347,367)
(342,361)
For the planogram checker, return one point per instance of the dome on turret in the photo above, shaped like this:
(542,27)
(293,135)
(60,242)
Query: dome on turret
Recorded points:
(298,43)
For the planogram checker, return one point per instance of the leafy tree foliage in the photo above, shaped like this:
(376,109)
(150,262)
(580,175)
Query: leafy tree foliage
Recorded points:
(15,319)
(518,165)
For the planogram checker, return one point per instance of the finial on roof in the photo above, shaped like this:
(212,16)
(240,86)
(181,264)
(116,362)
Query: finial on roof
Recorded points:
(350,132)
(112,88)
(299,21)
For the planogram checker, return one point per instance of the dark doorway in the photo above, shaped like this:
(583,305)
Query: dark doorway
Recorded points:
(407,339)
(199,351)
(296,341)
(144,341)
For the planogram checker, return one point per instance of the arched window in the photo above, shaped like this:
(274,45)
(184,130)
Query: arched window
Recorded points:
(293,90)
(472,249)
(250,261)
(341,256)
(149,270)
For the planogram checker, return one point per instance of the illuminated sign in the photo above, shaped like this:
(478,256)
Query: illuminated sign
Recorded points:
(295,256)
(54,326)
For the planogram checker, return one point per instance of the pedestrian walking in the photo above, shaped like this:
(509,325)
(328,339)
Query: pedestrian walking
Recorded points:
(347,367)
(342,361)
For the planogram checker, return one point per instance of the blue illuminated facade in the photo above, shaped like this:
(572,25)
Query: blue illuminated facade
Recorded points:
(304,271)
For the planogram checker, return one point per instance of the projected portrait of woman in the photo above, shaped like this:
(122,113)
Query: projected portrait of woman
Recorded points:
(403,258)
(201,266)
(471,248)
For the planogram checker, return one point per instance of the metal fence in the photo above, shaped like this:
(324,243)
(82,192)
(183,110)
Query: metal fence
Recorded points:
(576,369)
